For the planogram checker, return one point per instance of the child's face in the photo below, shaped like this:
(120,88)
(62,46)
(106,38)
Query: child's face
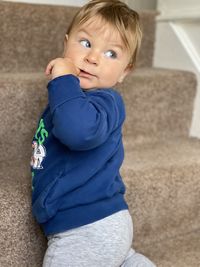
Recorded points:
(97,49)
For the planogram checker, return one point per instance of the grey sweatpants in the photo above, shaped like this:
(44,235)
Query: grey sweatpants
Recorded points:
(104,243)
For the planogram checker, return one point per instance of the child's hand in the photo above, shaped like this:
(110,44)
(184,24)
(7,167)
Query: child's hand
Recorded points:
(61,66)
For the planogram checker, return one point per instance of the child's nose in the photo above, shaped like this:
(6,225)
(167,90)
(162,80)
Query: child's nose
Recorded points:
(92,57)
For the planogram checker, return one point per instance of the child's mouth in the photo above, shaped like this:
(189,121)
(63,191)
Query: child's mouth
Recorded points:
(85,74)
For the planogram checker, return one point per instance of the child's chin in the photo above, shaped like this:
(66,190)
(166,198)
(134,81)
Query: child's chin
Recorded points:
(86,86)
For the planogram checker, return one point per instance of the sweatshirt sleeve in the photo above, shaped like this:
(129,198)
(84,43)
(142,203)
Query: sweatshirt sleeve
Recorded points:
(81,120)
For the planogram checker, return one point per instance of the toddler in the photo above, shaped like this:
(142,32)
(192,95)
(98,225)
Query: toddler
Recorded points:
(78,193)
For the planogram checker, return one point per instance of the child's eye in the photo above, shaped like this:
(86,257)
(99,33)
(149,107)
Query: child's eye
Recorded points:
(111,54)
(85,43)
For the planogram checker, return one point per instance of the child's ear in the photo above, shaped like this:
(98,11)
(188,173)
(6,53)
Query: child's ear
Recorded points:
(127,70)
(65,44)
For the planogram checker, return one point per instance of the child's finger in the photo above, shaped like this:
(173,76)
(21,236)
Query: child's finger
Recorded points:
(49,67)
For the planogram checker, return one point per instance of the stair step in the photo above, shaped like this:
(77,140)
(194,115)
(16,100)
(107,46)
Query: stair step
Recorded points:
(163,187)
(159,103)
(35,35)
(180,251)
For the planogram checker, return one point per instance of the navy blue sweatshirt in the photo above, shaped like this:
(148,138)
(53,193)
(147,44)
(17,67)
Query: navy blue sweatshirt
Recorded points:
(77,155)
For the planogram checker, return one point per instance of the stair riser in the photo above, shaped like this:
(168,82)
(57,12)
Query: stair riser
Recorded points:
(21,103)
(163,202)
(145,58)
(154,111)
(27,245)
(34,34)
(158,105)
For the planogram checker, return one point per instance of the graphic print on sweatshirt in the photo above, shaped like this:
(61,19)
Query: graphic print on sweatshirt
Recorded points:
(39,153)
(39,150)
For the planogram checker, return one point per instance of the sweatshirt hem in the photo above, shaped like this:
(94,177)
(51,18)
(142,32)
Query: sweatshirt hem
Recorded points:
(83,215)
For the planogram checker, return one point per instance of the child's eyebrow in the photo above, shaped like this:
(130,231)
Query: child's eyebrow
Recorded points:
(117,45)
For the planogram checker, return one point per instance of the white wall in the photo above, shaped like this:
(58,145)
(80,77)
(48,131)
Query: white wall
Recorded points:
(178,43)
(179,8)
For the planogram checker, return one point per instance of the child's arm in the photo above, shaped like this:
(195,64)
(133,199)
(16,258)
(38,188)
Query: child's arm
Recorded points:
(82,121)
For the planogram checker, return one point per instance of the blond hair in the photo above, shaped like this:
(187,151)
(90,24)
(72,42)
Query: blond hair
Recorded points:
(119,15)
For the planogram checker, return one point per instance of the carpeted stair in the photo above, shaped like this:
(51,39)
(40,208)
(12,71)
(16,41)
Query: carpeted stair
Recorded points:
(162,164)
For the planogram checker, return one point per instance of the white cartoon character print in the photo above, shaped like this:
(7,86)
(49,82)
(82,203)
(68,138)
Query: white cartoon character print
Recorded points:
(39,153)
